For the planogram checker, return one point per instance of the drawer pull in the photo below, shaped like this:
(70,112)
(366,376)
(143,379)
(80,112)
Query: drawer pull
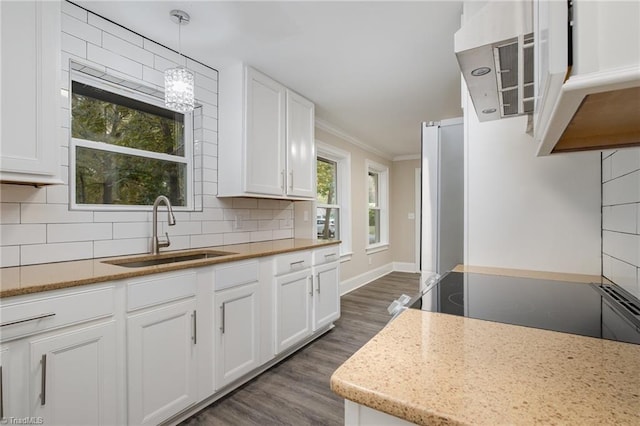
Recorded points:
(37,317)
(299,264)
(318,280)
(43,381)
(329,256)
(222,307)
(195,328)
(1,395)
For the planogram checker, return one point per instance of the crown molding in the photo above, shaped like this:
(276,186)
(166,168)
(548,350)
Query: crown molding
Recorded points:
(407,157)
(330,128)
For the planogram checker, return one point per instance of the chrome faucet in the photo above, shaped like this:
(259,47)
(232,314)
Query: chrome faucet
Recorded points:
(156,243)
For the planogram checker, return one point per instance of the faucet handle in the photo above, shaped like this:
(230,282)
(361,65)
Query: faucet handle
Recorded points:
(166,242)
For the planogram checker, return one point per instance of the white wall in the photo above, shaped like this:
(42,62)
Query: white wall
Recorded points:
(528,212)
(621,218)
(36,223)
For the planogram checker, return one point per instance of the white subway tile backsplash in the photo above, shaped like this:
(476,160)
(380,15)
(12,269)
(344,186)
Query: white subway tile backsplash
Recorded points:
(162,51)
(625,161)
(74,45)
(625,247)
(206,240)
(161,64)
(624,274)
(182,228)
(82,30)
(217,227)
(52,213)
(9,213)
(284,214)
(63,233)
(114,61)
(116,30)
(261,236)
(268,204)
(207,214)
(209,83)
(264,225)
(622,190)
(18,234)
(152,76)
(236,238)
(202,69)
(108,248)
(45,253)
(58,194)
(262,215)
(9,256)
(127,49)
(123,230)
(22,194)
(620,218)
(606,169)
(75,11)
(204,95)
(245,203)
(110,216)
(281,234)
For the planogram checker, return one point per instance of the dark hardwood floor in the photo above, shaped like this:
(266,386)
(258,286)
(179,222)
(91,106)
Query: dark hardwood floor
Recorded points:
(296,391)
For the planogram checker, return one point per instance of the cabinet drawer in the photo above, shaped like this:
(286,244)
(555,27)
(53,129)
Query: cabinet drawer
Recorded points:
(160,289)
(326,255)
(236,274)
(43,313)
(292,262)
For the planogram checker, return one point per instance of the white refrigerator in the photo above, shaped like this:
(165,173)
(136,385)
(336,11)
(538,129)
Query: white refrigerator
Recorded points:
(442,197)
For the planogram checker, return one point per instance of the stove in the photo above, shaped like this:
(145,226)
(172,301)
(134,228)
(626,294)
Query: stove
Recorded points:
(595,310)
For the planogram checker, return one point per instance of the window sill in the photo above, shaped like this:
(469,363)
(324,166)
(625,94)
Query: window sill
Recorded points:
(377,248)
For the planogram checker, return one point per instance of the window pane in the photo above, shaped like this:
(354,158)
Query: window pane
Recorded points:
(104,177)
(327,228)
(373,189)
(102,116)
(374,226)
(327,176)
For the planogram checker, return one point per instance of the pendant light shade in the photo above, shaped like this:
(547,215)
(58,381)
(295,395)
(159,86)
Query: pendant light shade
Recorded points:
(178,82)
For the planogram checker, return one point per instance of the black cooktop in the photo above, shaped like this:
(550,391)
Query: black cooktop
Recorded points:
(576,308)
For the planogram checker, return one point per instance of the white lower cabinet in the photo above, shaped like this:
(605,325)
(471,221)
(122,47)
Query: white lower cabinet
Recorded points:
(73,376)
(293,308)
(326,297)
(161,346)
(238,332)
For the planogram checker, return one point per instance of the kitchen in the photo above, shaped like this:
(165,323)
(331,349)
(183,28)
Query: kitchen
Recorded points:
(553,203)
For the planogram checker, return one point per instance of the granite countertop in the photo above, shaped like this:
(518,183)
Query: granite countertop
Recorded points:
(20,280)
(433,368)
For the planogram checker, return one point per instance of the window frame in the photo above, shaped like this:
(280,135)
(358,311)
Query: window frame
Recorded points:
(383,206)
(343,188)
(189,146)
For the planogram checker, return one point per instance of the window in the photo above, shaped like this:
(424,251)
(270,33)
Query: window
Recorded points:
(377,203)
(333,218)
(126,148)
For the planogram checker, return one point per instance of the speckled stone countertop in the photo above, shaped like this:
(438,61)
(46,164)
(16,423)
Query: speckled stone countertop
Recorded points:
(19,280)
(433,368)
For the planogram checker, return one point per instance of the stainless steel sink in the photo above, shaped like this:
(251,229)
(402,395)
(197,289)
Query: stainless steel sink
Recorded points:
(163,259)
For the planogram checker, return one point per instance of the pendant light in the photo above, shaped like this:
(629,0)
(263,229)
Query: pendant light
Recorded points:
(178,82)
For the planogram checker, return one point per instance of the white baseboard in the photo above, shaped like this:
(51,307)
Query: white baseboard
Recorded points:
(352,283)
(358,281)
(404,267)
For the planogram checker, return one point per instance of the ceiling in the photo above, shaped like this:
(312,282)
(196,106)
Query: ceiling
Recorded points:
(375,70)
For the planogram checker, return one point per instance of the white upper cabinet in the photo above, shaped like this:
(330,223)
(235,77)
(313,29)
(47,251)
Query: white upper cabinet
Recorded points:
(266,144)
(587,79)
(30,86)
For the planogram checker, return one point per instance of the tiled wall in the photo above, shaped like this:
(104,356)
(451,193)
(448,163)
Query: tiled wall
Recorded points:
(36,223)
(621,218)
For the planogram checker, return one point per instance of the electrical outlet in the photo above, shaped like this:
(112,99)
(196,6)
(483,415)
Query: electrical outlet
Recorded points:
(370,260)
(306,215)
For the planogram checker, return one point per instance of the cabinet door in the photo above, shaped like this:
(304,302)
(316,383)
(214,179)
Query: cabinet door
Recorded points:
(30,86)
(326,297)
(265,135)
(238,324)
(14,385)
(73,376)
(293,309)
(161,362)
(301,153)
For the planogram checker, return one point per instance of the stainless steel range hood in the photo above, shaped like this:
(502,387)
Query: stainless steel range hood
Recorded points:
(494,49)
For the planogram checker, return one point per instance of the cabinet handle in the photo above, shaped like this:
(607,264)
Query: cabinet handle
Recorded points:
(282,179)
(329,256)
(318,280)
(222,307)
(311,291)
(1,395)
(43,381)
(37,317)
(291,180)
(195,328)
(298,263)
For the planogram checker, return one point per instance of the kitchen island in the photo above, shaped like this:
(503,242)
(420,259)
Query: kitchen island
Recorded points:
(433,368)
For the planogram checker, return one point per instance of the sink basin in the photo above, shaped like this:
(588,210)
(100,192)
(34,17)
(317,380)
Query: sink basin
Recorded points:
(163,259)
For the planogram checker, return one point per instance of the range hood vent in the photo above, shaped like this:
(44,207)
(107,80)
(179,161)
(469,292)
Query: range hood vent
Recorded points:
(494,49)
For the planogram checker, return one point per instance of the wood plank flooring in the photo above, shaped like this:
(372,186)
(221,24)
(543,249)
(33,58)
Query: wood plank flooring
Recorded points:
(296,391)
